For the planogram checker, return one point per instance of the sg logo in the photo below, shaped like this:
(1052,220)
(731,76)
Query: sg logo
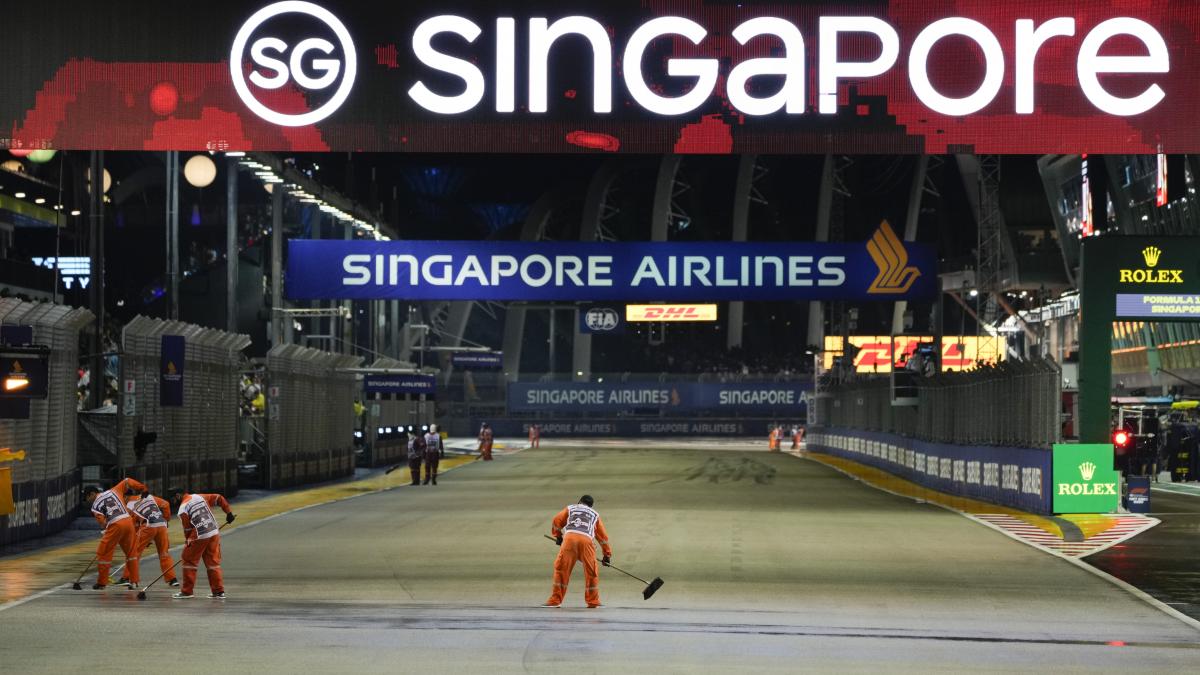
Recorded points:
(273,65)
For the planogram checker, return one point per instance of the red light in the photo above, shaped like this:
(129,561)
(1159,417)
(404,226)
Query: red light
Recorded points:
(1121,438)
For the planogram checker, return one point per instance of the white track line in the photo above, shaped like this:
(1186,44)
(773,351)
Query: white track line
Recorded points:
(1132,590)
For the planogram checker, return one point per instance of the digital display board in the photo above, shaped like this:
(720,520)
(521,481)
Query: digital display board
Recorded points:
(640,76)
(1158,306)
(875,353)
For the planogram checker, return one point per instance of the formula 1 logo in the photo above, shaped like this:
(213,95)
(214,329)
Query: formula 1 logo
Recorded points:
(275,62)
(890,256)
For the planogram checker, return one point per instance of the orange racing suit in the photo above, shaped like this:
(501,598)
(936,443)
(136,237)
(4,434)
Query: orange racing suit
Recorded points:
(579,525)
(203,540)
(110,511)
(152,514)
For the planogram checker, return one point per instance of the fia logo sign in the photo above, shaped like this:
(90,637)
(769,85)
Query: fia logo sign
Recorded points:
(311,60)
(602,319)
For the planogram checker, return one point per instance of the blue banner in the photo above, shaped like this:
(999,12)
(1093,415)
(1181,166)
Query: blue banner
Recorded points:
(170,374)
(883,268)
(12,408)
(477,361)
(400,384)
(1137,497)
(1016,477)
(789,398)
(602,319)
(752,429)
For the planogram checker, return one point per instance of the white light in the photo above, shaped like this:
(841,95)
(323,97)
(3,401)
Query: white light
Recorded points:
(1090,64)
(235,154)
(973,293)
(75,212)
(791,66)
(831,70)
(1029,41)
(993,74)
(704,70)
(238,52)
(20,195)
(542,38)
(422,43)
(87,175)
(40,200)
(200,171)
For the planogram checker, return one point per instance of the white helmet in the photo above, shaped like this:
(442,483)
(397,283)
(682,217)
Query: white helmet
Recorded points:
(433,428)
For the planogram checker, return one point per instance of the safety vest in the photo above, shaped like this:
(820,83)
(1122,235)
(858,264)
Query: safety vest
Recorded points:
(203,521)
(109,505)
(433,443)
(148,509)
(581,520)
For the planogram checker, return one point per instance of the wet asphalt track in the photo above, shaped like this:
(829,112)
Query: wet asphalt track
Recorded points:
(771,563)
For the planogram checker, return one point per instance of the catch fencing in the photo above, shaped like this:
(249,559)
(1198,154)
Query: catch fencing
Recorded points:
(45,484)
(197,443)
(310,415)
(388,416)
(1010,404)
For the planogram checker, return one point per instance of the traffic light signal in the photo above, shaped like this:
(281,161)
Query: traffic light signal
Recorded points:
(1121,438)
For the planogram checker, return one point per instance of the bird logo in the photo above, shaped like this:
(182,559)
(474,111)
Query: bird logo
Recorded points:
(890,256)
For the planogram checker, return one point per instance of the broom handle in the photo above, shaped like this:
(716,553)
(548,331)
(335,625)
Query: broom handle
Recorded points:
(609,565)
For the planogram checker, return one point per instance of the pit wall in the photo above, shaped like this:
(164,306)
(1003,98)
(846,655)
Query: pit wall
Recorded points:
(1018,478)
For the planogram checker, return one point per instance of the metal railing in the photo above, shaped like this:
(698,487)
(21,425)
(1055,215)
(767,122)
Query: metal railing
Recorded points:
(1013,403)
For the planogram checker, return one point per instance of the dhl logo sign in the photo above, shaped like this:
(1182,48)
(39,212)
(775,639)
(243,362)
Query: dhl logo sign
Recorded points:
(875,353)
(895,275)
(670,313)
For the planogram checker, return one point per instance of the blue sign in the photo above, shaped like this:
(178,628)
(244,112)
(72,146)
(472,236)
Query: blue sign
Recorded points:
(400,384)
(632,428)
(602,319)
(1137,499)
(170,374)
(883,268)
(478,361)
(1158,306)
(1016,477)
(589,397)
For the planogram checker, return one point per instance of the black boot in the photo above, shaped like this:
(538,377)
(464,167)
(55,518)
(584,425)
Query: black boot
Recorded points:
(435,480)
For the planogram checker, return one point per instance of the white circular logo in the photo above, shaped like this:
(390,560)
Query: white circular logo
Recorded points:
(286,63)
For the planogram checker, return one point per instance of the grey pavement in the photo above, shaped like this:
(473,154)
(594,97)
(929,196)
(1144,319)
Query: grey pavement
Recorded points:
(772,563)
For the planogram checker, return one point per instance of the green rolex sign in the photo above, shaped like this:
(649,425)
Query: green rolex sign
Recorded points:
(1084,480)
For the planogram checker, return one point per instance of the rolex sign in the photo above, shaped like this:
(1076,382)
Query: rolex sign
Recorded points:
(1084,479)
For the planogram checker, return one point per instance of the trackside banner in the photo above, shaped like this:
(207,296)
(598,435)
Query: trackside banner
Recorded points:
(639,76)
(735,398)
(882,269)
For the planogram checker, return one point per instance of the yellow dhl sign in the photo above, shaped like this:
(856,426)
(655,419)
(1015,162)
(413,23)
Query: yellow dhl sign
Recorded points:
(670,313)
(875,352)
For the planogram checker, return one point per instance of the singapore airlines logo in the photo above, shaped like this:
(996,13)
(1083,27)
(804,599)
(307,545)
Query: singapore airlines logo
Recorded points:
(1087,470)
(890,256)
(1151,254)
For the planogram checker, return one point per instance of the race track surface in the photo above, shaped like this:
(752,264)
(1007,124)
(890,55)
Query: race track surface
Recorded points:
(771,562)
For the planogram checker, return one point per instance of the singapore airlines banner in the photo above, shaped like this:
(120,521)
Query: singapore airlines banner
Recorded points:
(603,76)
(882,269)
(735,398)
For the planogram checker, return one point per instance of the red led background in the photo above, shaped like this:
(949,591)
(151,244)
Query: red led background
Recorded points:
(132,75)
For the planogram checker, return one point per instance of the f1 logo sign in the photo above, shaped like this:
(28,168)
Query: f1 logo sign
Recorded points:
(310,62)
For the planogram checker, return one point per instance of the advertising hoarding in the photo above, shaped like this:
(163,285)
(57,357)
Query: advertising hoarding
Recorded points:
(633,271)
(735,398)
(876,355)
